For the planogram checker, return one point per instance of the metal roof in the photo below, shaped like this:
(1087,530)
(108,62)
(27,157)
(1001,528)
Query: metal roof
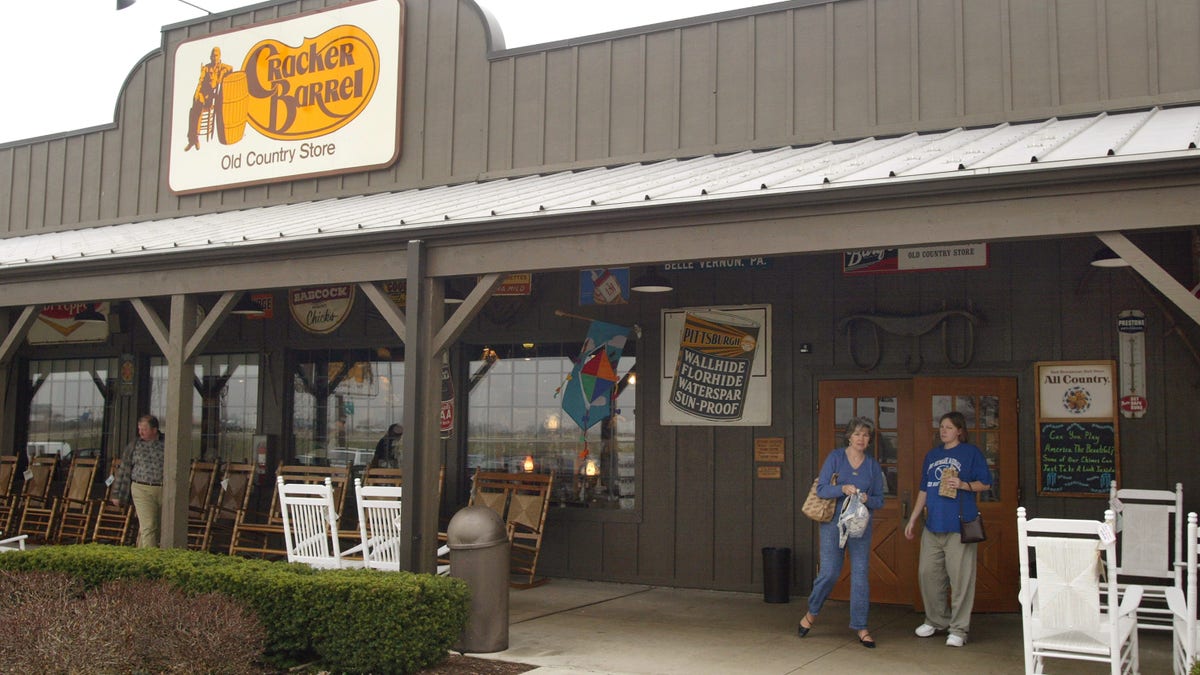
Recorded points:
(1104,138)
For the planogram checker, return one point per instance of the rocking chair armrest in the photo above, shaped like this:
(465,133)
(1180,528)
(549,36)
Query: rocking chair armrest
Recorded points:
(1026,596)
(1176,603)
(1131,600)
(17,541)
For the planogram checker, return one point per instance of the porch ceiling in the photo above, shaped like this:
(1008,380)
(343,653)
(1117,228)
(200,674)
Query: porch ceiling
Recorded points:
(1022,156)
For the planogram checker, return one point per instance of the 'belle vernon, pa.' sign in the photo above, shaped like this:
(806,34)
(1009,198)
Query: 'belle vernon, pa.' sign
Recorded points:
(315,95)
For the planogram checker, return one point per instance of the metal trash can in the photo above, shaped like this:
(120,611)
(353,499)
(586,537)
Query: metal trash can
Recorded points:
(777,568)
(478,545)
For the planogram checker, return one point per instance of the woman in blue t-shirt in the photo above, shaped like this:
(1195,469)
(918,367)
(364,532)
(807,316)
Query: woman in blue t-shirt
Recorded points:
(948,565)
(860,477)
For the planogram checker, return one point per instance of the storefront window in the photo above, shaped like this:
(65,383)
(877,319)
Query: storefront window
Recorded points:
(224,408)
(343,402)
(515,423)
(70,407)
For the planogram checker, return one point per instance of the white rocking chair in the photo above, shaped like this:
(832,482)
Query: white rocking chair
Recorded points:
(310,528)
(1064,615)
(1149,528)
(1183,611)
(379,524)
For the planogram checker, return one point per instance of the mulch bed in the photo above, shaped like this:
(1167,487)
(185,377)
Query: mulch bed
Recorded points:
(457,664)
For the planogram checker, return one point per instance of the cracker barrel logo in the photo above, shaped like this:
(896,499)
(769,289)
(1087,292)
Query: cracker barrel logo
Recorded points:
(314,89)
(287,92)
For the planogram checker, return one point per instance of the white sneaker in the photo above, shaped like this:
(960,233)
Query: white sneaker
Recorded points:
(925,630)
(953,640)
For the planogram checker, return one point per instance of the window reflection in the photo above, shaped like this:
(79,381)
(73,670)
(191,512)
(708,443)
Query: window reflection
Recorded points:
(513,416)
(70,407)
(343,403)
(224,407)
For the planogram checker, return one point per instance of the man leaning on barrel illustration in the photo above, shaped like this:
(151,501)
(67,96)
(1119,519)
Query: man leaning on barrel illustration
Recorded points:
(205,98)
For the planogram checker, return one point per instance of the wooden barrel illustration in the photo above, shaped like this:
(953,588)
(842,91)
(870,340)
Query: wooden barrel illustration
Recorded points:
(233,108)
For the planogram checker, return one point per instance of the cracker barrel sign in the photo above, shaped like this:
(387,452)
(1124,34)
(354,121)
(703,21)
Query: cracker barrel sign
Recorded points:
(314,95)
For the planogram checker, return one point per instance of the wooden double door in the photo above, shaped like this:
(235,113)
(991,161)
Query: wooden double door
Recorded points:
(906,414)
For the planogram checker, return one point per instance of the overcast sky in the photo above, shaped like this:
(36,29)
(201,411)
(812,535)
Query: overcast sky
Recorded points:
(68,58)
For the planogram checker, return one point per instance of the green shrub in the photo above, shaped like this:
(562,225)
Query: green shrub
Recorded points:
(348,620)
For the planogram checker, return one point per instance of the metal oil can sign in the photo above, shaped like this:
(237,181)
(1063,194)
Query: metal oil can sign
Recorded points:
(321,309)
(314,95)
(720,373)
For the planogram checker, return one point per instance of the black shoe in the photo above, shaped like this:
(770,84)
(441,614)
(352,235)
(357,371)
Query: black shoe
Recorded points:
(803,630)
(866,640)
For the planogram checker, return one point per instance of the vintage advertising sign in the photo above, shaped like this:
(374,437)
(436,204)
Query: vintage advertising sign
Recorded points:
(314,95)
(321,309)
(1076,390)
(266,301)
(1131,334)
(446,421)
(70,322)
(515,284)
(1077,432)
(608,286)
(716,366)
(916,259)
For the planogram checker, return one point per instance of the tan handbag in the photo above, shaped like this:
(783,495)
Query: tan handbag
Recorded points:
(819,508)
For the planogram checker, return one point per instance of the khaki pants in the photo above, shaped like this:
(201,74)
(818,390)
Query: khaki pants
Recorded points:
(147,501)
(947,572)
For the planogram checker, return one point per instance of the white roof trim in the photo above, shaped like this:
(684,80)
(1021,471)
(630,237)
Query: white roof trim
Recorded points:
(1005,148)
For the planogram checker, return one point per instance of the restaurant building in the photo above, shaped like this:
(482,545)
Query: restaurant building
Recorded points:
(887,208)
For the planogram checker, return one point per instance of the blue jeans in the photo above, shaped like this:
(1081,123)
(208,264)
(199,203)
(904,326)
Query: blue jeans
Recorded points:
(831,568)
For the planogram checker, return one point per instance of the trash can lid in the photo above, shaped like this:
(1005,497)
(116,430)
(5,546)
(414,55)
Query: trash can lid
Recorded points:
(475,527)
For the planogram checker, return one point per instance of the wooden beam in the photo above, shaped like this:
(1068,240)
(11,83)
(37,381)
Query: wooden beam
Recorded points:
(154,325)
(467,311)
(388,309)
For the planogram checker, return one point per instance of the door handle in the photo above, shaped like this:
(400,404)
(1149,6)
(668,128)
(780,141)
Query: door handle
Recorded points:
(904,506)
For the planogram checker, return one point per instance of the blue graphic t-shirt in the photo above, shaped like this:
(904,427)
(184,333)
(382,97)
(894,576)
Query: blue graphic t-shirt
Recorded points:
(968,460)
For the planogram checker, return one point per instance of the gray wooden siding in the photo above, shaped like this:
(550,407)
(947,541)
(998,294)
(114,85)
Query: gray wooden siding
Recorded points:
(802,74)
(703,517)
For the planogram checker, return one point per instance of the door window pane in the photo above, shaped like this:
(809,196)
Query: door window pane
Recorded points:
(982,415)
(884,414)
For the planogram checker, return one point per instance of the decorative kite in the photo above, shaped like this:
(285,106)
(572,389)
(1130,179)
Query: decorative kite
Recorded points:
(588,389)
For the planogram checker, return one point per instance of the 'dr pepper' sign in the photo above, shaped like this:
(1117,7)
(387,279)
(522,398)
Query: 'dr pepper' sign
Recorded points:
(321,309)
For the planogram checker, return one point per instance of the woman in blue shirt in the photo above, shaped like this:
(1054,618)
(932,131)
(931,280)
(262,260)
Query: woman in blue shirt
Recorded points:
(947,566)
(860,477)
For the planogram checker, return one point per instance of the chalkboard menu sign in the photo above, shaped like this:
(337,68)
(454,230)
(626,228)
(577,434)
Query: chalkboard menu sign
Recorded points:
(1077,457)
(1078,437)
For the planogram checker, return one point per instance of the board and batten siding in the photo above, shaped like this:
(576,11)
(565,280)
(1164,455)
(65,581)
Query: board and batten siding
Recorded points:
(786,74)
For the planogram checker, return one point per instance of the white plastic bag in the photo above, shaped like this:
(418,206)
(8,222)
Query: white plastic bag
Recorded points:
(853,520)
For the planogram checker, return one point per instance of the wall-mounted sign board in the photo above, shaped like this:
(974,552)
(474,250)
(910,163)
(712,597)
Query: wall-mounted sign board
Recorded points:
(1078,436)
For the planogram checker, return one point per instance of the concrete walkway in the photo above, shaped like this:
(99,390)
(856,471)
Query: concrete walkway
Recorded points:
(567,627)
